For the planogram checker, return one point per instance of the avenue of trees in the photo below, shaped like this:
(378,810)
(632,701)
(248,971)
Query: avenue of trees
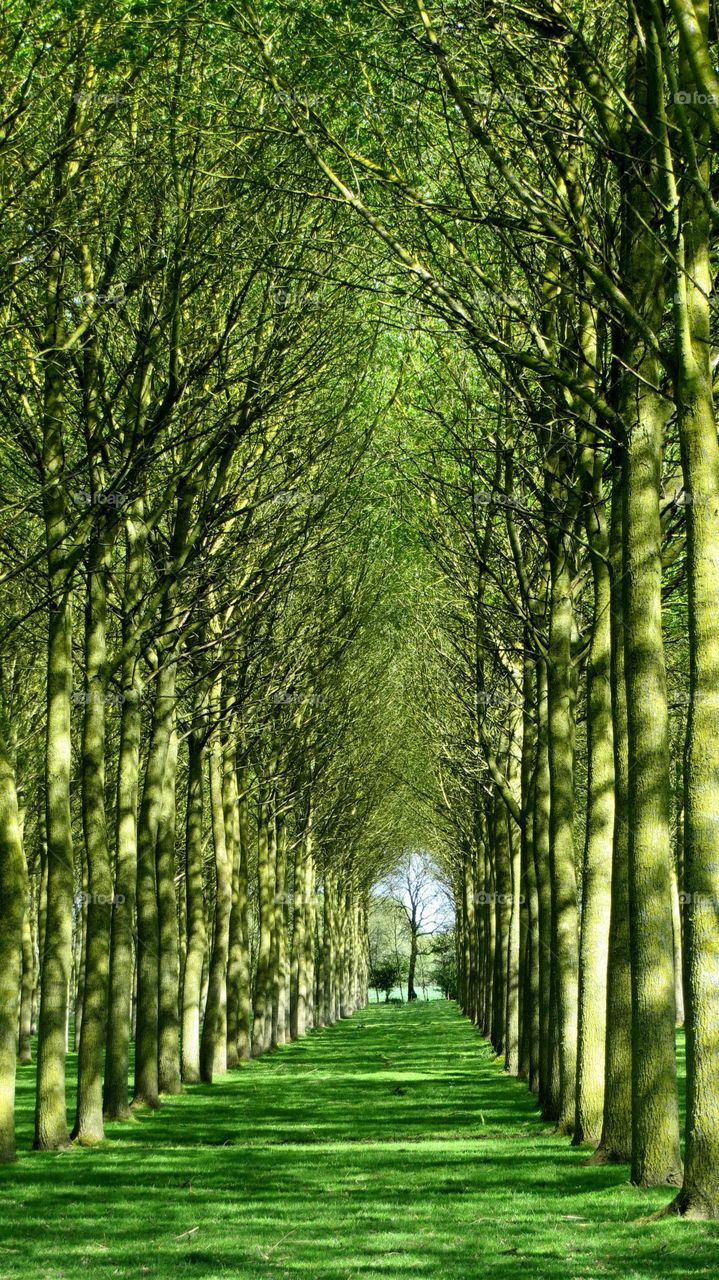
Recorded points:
(542,178)
(361,493)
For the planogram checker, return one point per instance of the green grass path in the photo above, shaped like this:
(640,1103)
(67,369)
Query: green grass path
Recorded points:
(389,1146)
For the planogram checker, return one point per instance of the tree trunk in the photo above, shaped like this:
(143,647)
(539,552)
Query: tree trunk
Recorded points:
(655,1119)
(148,930)
(544,892)
(699,1196)
(13,895)
(279,940)
(597,867)
(616,1139)
(122,944)
(88,1118)
(213,1046)
(263,1007)
(51,1133)
(236,960)
(195,913)
(561,818)
(168,1063)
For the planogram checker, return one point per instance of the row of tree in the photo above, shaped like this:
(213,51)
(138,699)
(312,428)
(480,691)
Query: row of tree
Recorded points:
(543,178)
(363,437)
(193,629)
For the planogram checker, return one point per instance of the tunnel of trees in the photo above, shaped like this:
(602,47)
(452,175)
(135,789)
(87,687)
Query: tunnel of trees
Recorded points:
(360,494)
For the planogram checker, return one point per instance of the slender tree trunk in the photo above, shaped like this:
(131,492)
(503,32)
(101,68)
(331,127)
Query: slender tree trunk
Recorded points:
(503,913)
(299,956)
(128,773)
(563,873)
(195,913)
(51,1131)
(88,1118)
(529,1011)
(235,958)
(655,1119)
(616,1139)
(26,992)
(77,984)
(597,868)
(310,945)
(13,896)
(511,1027)
(411,993)
(148,928)
(279,940)
(678,947)
(547,1099)
(699,1196)
(213,1046)
(244,1011)
(168,1063)
(263,1008)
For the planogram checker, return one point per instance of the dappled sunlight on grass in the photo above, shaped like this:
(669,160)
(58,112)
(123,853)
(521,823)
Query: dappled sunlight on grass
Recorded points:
(391,1145)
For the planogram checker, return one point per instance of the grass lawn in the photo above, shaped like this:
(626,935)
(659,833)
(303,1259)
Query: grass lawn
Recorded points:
(391,1145)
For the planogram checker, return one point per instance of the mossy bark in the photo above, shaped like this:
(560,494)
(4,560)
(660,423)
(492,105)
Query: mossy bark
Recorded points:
(122,941)
(13,899)
(597,862)
(195,909)
(89,1113)
(561,826)
(146,1090)
(655,1118)
(262,1012)
(616,1138)
(699,1196)
(168,1029)
(51,1131)
(213,1045)
(237,960)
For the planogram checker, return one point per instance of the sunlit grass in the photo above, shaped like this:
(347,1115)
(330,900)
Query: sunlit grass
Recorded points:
(391,1145)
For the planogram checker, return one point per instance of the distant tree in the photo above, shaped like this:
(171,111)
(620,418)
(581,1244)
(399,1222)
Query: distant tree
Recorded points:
(414,887)
(384,976)
(444,968)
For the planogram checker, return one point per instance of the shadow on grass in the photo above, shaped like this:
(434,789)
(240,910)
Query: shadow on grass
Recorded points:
(391,1145)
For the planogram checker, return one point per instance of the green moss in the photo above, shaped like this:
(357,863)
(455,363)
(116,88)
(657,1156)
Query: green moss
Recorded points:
(390,1145)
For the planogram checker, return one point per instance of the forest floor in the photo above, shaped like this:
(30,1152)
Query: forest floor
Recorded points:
(391,1145)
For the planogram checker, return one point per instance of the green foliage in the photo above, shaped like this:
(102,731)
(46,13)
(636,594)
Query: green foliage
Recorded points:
(444,966)
(385,974)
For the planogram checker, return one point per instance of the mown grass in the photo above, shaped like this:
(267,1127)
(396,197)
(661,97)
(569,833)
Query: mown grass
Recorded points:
(389,1146)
